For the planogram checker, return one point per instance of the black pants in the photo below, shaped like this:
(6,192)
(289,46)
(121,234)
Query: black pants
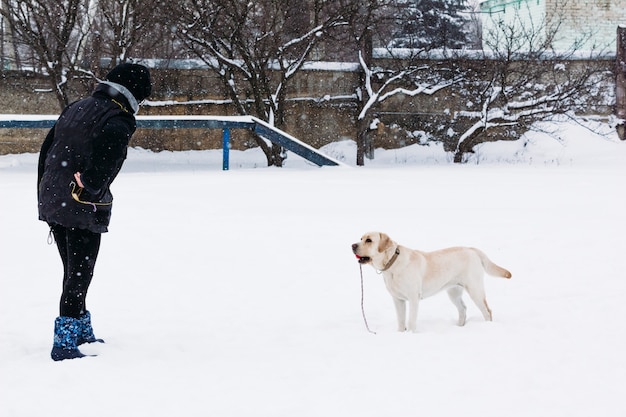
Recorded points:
(78,249)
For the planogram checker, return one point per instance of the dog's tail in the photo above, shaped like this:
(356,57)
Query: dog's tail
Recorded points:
(491,268)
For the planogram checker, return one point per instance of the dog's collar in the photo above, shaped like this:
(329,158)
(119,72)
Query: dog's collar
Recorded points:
(392,260)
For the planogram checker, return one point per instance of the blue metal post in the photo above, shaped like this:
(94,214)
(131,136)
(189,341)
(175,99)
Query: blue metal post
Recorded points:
(225,149)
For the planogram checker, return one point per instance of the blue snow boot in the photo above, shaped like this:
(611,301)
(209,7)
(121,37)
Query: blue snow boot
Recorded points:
(66,331)
(86,331)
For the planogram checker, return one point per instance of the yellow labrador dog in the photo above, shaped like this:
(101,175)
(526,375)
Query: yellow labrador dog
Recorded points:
(411,275)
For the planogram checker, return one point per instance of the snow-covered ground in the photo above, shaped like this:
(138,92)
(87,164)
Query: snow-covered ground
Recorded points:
(236,293)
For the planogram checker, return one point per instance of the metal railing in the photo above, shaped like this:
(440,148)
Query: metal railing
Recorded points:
(226,123)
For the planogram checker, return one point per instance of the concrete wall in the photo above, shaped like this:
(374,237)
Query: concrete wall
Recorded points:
(311,115)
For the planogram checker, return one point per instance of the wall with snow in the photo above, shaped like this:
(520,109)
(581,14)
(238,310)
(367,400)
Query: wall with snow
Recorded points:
(321,109)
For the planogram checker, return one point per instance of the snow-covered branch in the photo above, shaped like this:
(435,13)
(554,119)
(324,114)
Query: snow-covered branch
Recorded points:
(300,39)
(507,115)
(429,89)
(402,76)
(215,55)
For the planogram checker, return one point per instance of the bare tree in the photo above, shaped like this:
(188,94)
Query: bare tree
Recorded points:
(8,53)
(369,20)
(406,71)
(499,93)
(521,79)
(130,28)
(67,39)
(53,31)
(256,48)
(620,83)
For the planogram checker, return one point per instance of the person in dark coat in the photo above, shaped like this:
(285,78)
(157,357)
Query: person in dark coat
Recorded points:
(79,159)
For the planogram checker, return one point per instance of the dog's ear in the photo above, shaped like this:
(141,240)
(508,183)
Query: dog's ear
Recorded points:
(384,243)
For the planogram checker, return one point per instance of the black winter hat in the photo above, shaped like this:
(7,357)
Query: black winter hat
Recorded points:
(135,77)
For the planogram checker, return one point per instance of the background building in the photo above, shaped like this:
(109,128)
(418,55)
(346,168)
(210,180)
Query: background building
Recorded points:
(585,25)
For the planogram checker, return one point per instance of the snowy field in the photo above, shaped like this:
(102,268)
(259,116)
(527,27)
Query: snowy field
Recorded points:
(236,293)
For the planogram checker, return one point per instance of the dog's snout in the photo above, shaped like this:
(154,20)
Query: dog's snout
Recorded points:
(354,247)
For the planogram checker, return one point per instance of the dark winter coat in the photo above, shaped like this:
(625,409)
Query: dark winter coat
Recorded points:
(91,136)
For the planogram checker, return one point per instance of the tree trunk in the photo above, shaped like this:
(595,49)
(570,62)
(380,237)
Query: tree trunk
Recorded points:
(10,56)
(365,143)
(467,145)
(277,156)
(361,141)
(361,124)
(60,87)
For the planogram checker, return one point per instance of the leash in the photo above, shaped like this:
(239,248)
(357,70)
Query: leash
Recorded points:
(386,267)
(362,297)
